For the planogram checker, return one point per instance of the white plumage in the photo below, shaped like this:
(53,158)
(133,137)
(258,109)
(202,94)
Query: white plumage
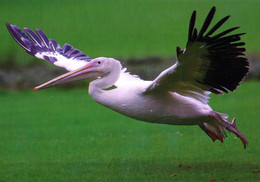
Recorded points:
(178,96)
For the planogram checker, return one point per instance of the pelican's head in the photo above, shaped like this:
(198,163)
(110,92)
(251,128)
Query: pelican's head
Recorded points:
(106,65)
(98,67)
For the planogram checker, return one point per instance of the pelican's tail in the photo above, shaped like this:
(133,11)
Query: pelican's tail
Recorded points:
(217,126)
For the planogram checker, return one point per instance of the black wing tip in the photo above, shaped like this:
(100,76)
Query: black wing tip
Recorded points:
(191,26)
(227,75)
(227,17)
(213,9)
(17,35)
(193,36)
(28,40)
(206,23)
(38,42)
(228,65)
(9,27)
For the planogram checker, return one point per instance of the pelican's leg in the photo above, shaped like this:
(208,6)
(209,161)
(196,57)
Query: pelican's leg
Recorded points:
(213,135)
(231,127)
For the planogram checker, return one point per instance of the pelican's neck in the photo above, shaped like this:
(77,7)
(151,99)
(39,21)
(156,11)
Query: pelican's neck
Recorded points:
(97,86)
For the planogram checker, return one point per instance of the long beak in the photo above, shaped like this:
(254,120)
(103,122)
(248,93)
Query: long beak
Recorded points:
(87,71)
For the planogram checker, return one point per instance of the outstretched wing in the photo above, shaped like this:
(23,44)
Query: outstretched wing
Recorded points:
(209,63)
(40,46)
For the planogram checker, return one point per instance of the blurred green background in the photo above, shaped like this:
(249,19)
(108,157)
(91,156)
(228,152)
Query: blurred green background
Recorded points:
(63,135)
(123,28)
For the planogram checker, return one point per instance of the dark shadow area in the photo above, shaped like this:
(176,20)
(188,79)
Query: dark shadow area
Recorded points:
(15,77)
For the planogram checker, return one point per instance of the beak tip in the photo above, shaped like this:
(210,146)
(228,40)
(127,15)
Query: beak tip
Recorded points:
(35,89)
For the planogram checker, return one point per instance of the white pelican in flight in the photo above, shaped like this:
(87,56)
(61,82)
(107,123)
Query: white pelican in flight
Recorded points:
(177,96)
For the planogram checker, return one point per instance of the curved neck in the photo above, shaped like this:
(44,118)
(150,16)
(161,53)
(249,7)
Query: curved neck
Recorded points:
(97,86)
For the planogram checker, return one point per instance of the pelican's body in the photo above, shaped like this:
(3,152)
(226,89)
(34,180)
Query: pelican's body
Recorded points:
(177,96)
(170,108)
(132,101)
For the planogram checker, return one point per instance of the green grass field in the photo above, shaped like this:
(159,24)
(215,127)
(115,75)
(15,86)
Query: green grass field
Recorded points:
(63,135)
(59,135)
(122,28)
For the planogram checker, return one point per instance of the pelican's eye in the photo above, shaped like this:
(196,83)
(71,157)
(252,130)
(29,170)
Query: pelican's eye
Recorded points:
(97,63)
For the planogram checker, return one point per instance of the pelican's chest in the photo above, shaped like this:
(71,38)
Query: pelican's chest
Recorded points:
(133,103)
(170,108)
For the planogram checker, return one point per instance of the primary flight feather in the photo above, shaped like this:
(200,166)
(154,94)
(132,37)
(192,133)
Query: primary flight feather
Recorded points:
(178,96)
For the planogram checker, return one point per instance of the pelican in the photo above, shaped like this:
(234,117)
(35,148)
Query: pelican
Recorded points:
(177,96)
